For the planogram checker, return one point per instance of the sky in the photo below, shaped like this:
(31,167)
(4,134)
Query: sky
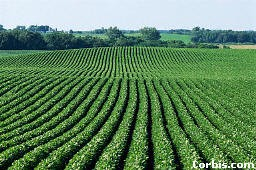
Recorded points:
(130,14)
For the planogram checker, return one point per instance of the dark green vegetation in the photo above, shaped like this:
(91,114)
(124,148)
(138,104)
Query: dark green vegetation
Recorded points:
(222,36)
(127,107)
(46,38)
(38,38)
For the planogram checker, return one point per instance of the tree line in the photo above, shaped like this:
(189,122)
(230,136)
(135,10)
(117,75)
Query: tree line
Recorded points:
(201,35)
(46,38)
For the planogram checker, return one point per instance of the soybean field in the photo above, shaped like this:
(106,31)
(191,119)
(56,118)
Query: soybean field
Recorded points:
(127,108)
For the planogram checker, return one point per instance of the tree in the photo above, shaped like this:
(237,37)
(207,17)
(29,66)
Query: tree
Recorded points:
(222,36)
(31,40)
(196,29)
(7,41)
(150,34)
(127,41)
(20,27)
(100,31)
(21,40)
(41,28)
(59,41)
(176,44)
(32,28)
(1,28)
(114,33)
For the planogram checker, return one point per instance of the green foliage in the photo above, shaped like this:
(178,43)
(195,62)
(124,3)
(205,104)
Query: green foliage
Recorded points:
(21,40)
(126,107)
(18,52)
(1,28)
(8,41)
(114,33)
(41,28)
(202,45)
(153,43)
(150,34)
(222,36)
(176,44)
(128,41)
(32,39)
(59,41)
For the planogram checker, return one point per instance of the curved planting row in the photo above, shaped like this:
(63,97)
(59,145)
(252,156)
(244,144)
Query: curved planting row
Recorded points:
(127,108)
(134,62)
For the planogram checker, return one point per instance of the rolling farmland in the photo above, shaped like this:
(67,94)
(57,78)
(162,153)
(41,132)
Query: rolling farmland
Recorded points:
(127,108)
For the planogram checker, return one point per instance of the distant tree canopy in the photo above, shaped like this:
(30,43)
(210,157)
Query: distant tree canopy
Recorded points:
(41,28)
(59,41)
(21,40)
(100,31)
(180,31)
(128,41)
(7,41)
(20,27)
(30,40)
(1,28)
(222,36)
(114,33)
(150,34)
(39,38)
